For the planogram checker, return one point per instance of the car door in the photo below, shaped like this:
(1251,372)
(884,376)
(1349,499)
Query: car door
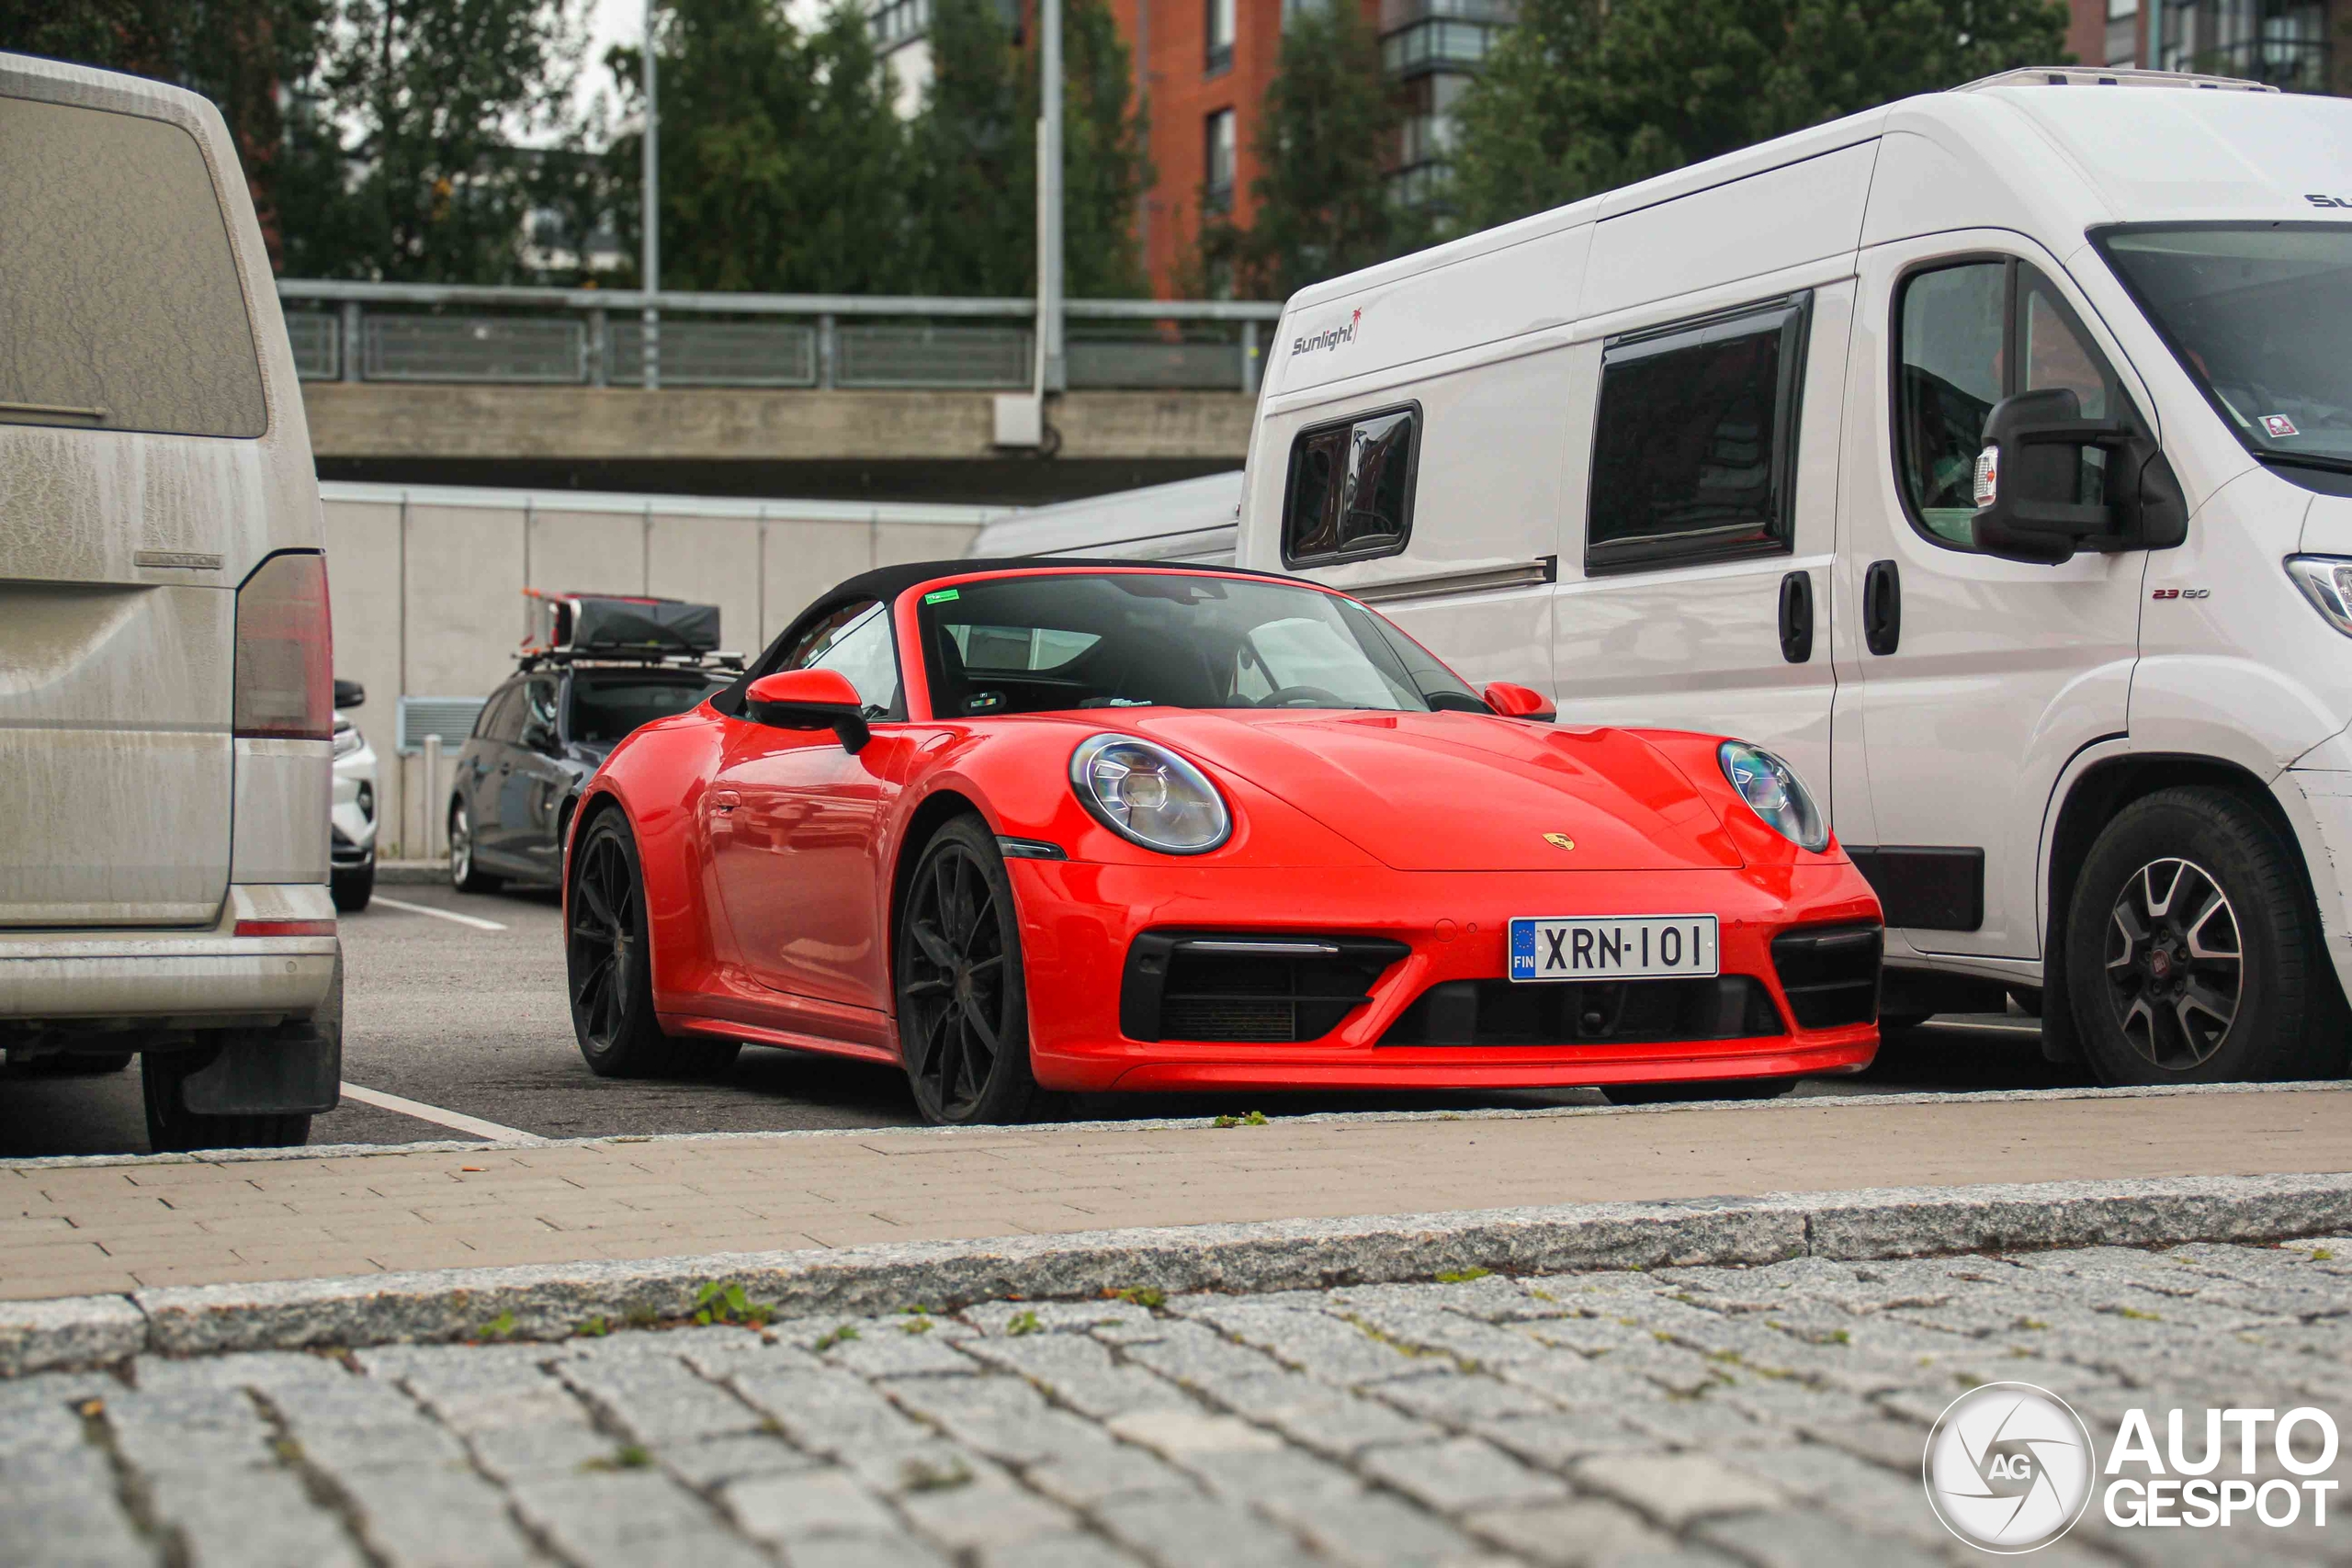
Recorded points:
(793,821)
(538,782)
(1979,677)
(1696,593)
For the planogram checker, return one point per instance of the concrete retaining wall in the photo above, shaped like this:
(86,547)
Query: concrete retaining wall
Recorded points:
(428,584)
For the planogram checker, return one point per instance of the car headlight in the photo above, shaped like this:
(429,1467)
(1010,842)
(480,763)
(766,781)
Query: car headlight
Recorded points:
(347,740)
(1149,796)
(1772,791)
(2327,581)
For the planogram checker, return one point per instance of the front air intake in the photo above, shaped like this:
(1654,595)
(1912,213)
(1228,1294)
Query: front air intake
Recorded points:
(1266,988)
(1587,1013)
(1829,972)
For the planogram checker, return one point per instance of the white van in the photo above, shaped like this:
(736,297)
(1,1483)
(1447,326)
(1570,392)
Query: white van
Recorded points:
(1190,520)
(165,695)
(1988,456)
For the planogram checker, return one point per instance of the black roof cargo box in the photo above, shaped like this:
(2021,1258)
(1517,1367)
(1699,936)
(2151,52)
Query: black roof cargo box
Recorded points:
(616,625)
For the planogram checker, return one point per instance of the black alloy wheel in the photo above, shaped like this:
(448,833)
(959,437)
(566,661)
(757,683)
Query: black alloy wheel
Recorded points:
(2193,948)
(608,966)
(963,1009)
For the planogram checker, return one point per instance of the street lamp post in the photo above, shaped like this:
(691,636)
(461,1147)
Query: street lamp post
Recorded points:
(650,195)
(1052,368)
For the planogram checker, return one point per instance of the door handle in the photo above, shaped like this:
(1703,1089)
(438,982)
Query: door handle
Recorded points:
(1882,607)
(725,800)
(1796,616)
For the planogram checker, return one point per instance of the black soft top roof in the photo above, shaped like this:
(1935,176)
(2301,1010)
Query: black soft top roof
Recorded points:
(887,582)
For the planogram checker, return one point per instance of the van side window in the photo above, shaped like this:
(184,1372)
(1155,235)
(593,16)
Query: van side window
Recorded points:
(1695,446)
(1969,335)
(1349,493)
(118,284)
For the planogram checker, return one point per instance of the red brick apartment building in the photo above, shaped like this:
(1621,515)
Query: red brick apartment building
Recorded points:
(1203,67)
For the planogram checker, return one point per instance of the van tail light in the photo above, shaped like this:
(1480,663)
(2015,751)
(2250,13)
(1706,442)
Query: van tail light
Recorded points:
(284,656)
(282,927)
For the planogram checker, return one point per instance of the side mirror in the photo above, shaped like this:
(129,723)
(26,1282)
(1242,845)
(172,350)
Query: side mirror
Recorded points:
(1519,702)
(810,699)
(349,693)
(2031,475)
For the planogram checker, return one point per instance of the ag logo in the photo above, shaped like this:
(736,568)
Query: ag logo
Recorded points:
(1559,840)
(2008,1467)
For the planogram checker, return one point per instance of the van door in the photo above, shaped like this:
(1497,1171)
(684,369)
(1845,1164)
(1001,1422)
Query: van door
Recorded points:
(1697,590)
(131,391)
(1979,677)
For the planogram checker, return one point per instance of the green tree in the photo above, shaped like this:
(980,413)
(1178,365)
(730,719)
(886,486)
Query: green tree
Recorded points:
(1585,95)
(975,220)
(235,53)
(431,188)
(1321,200)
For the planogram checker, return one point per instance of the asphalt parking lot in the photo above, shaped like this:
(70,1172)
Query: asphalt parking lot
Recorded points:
(456,1004)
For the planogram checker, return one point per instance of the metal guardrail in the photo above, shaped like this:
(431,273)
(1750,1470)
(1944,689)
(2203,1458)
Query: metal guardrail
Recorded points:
(523,336)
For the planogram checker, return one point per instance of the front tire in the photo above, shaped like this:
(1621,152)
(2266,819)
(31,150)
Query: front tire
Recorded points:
(963,1009)
(464,875)
(608,965)
(2193,953)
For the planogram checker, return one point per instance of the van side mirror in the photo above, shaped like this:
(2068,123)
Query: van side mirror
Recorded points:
(810,699)
(1519,702)
(349,693)
(2034,468)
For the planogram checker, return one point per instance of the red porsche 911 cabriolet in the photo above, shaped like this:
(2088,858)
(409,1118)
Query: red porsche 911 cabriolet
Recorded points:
(1025,827)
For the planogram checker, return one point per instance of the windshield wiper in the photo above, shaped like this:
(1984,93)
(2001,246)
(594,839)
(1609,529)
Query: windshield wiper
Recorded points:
(2307,460)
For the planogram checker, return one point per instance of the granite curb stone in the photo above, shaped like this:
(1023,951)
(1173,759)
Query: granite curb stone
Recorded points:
(548,1300)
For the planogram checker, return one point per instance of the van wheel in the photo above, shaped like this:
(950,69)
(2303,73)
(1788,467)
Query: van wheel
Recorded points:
(463,875)
(2192,949)
(173,1128)
(351,889)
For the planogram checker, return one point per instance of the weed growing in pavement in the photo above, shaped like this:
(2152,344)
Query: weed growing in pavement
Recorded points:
(1139,1295)
(1254,1119)
(629,1456)
(1025,1323)
(917,1325)
(2322,1254)
(2136,1315)
(1462,1276)
(723,1300)
(498,1327)
(642,1316)
(845,1332)
(593,1329)
(918,1310)
(925,1475)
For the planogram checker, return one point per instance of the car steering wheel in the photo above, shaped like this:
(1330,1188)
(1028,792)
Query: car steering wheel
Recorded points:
(1304,696)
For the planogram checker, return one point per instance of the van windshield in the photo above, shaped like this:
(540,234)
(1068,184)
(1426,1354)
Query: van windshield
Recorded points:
(1044,643)
(2261,314)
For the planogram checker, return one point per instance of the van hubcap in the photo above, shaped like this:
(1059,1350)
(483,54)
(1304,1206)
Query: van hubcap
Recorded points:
(2175,963)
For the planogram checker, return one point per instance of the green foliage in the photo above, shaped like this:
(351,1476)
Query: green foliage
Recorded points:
(847,1331)
(724,1301)
(1024,1323)
(498,1327)
(593,1329)
(1462,1276)
(1140,1295)
(1321,199)
(1254,1119)
(1586,95)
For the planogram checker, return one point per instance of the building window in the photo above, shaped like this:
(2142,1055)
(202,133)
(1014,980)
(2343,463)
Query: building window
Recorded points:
(894,23)
(1217,181)
(1220,31)
(1694,447)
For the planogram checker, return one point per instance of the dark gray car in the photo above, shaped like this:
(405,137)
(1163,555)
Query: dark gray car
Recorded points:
(539,738)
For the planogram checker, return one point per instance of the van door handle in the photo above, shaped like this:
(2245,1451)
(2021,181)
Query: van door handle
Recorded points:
(1882,607)
(1796,616)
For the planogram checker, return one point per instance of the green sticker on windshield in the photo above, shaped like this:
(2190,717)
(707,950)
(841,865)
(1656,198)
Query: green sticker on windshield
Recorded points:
(941,597)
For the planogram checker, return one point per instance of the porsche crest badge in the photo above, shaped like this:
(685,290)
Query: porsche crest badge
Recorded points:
(1559,840)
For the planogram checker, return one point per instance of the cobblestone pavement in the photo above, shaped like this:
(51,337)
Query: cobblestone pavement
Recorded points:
(1768,1416)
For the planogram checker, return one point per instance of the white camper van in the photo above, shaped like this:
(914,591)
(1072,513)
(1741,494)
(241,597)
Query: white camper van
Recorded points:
(167,701)
(1988,456)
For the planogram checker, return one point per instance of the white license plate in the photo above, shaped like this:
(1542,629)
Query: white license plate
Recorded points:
(1652,947)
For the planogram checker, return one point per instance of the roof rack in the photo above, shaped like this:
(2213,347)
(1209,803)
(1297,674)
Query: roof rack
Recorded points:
(2111,76)
(531,658)
(633,626)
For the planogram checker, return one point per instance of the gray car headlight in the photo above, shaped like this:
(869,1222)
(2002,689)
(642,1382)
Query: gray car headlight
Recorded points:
(1149,796)
(1773,791)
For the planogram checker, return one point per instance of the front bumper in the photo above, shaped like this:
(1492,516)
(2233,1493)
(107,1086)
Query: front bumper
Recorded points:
(1079,919)
(203,978)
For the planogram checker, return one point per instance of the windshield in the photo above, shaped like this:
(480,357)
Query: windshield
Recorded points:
(1139,639)
(2262,316)
(604,710)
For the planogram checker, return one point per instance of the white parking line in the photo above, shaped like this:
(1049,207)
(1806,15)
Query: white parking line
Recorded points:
(1963,1023)
(451,1119)
(474,920)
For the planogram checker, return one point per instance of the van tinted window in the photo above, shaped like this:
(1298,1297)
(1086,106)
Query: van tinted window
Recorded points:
(1968,335)
(116,281)
(1349,494)
(1694,449)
